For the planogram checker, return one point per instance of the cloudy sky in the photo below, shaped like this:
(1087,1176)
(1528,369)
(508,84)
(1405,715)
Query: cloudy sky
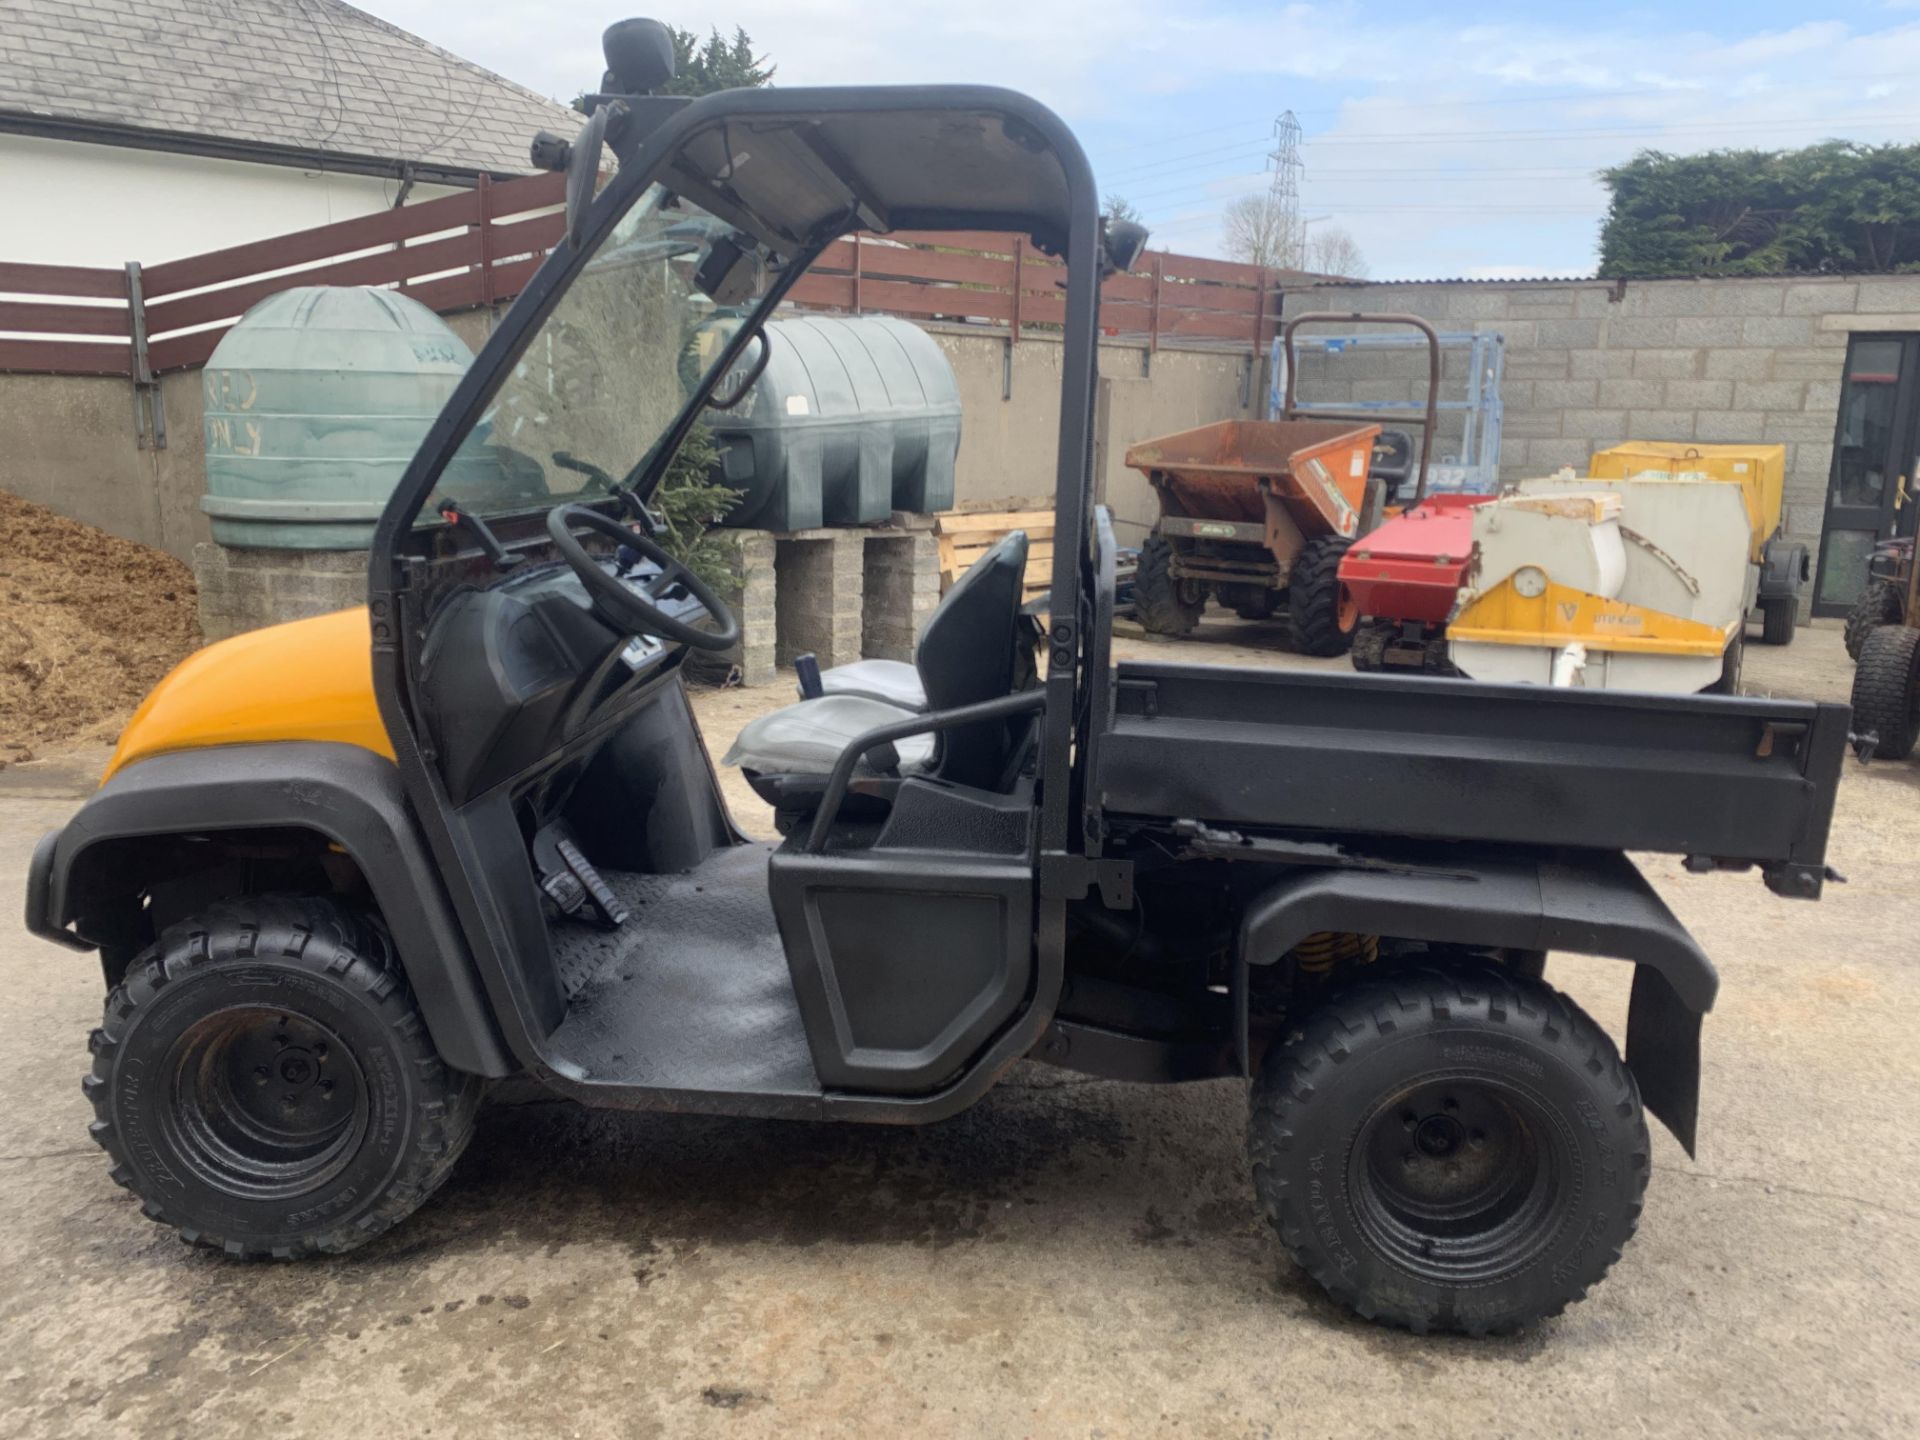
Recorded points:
(1457,140)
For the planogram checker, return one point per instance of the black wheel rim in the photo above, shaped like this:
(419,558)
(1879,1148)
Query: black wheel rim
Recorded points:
(1461,1180)
(263,1104)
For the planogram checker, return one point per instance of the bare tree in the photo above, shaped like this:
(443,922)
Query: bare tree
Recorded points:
(1334,252)
(1118,207)
(1255,231)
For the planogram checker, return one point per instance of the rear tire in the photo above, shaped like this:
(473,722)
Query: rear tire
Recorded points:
(1779,617)
(265,1085)
(1450,1150)
(1886,691)
(1313,597)
(1162,604)
(1881,603)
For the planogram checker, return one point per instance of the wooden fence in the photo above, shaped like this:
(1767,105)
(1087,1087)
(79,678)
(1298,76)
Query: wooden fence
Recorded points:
(482,247)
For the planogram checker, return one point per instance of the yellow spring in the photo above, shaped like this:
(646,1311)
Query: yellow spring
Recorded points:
(1324,949)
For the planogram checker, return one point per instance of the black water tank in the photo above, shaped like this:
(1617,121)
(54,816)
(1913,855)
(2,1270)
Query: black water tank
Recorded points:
(854,417)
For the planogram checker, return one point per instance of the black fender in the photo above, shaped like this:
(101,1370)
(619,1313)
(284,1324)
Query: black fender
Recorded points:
(1589,902)
(351,796)
(1785,566)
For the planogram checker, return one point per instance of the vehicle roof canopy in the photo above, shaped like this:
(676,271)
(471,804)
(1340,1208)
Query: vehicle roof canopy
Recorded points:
(796,167)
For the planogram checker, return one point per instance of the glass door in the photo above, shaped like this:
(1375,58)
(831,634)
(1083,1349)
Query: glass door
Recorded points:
(1870,490)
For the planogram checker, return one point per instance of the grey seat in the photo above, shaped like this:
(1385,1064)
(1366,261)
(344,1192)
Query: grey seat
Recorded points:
(893,681)
(977,646)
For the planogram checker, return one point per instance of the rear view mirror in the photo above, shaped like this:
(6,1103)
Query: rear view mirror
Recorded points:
(730,274)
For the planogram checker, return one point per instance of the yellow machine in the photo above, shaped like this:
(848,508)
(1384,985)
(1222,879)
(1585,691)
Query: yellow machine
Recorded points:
(1639,584)
(1781,566)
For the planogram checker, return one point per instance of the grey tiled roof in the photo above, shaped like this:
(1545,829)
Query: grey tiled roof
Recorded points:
(306,74)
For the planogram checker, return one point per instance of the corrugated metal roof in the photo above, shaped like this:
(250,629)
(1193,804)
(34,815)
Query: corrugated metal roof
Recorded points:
(307,75)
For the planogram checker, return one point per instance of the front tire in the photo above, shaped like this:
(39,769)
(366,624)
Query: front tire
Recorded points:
(265,1085)
(1313,597)
(1450,1150)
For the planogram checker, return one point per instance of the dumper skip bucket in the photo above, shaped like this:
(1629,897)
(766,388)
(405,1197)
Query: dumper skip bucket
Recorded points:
(1316,469)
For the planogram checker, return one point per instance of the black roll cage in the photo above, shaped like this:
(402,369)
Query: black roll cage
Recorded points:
(398,568)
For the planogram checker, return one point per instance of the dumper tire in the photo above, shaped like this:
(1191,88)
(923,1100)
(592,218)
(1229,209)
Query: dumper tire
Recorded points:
(1886,691)
(1160,603)
(1881,603)
(1779,618)
(1455,1149)
(264,1083)
(1313,597)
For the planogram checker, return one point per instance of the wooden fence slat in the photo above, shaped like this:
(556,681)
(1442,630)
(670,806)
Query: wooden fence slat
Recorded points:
(183,351)
(992,241)
(830,291)
(900,298)
(364,232)
(74,281)
(65,357)
(1199,267)
(527,237)
(878,261)
(51,319)
(380,268)
(324,242)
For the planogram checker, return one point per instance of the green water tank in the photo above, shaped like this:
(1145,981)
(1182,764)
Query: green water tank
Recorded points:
(314,403)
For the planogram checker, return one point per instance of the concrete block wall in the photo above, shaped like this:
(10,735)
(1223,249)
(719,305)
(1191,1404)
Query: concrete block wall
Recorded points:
(246,589)
(901,585)
(71,443)
(752,598)
(1592,363)
(819,579)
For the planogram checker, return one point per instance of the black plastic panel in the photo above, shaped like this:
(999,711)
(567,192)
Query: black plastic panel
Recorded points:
(1738,779)
(904,963)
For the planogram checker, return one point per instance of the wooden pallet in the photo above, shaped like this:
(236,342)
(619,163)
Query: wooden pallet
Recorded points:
(963,539)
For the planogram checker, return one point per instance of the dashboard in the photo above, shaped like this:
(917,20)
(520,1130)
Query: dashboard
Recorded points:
(509,673)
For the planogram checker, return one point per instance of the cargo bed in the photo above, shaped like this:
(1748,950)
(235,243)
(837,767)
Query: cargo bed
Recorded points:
(1737,781)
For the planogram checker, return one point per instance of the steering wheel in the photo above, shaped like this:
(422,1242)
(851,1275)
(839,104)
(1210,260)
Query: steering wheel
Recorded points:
(631,609)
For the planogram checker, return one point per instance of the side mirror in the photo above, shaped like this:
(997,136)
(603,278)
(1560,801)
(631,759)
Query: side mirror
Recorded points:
(1123,240)
(738,382)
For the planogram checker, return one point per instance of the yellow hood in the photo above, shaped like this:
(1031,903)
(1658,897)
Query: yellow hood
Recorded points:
(305,680)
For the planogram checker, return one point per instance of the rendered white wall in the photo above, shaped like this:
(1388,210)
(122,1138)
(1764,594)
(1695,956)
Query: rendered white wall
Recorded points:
(65,203)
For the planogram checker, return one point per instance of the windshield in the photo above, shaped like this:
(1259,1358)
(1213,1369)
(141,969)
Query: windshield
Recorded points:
(604,376)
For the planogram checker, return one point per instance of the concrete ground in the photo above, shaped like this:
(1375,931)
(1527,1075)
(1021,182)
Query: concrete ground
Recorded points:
(1069,1258)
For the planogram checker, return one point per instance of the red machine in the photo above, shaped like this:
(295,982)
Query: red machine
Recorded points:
(1398,584)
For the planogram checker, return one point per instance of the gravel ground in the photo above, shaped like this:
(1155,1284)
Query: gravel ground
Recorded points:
(1068,1258)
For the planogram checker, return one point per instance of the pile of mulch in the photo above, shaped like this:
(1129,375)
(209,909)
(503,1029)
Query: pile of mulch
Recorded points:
(88,623)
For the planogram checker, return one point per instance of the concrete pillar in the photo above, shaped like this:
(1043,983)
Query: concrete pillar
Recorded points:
(819,576)
(751,597)
(902,589)
(246,589)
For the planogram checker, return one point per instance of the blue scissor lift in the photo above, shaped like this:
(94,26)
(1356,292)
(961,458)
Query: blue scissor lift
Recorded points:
(1475,468)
